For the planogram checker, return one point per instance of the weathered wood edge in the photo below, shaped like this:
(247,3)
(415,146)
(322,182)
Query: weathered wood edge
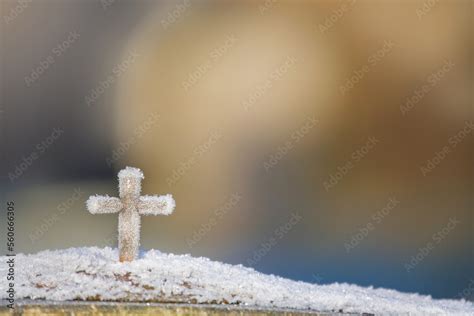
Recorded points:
(35,307)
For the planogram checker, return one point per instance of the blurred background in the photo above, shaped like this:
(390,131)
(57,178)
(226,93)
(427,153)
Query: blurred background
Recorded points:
(323,141)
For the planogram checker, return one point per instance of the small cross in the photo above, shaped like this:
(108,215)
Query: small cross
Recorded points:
(130,206)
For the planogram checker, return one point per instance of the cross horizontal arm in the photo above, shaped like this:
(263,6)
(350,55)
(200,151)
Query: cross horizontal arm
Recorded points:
(156,205)
(99,204)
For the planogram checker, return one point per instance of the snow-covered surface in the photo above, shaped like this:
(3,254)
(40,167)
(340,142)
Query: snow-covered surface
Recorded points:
(95,274)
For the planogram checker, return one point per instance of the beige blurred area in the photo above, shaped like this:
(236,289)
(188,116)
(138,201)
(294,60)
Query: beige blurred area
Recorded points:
(264,36)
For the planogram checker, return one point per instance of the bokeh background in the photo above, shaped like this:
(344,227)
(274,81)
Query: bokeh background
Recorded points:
(282,129)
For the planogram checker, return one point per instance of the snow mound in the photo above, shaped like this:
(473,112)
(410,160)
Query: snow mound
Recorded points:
(95,274)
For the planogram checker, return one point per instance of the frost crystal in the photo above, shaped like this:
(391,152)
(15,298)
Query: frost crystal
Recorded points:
(130,206)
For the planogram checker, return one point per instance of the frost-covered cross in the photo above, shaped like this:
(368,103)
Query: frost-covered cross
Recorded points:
(130,206)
